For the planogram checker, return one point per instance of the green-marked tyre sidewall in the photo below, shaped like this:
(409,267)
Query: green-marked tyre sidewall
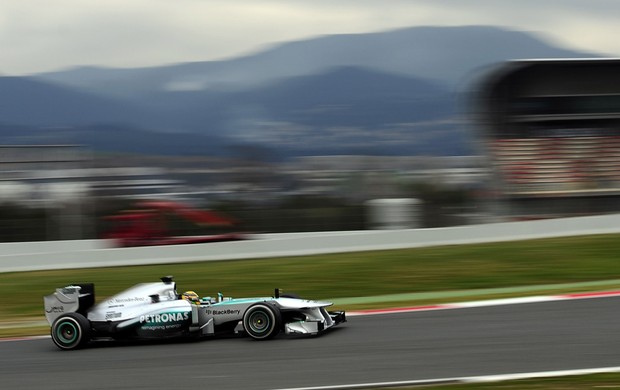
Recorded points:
(262,321)
(70,331)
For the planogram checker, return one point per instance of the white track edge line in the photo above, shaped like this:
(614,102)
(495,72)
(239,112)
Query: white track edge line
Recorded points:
(485,303)
(463,380)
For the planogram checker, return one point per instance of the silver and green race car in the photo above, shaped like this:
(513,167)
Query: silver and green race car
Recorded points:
(156,311)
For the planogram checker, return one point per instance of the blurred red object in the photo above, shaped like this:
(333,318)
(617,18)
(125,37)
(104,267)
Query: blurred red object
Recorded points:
(145,225)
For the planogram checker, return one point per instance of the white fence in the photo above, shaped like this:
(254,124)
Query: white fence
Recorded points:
(98,253)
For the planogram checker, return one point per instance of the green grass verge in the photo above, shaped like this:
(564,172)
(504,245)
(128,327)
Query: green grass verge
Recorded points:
(340,276)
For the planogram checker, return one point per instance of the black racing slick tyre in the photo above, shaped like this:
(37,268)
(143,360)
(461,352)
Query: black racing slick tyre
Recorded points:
(262,321)
(71,331)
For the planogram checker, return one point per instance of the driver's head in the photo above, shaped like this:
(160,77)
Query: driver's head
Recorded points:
(190,296)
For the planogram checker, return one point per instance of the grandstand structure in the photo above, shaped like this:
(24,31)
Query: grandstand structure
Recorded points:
(551,130)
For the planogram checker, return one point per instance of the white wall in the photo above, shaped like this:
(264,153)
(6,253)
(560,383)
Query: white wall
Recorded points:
(86,254)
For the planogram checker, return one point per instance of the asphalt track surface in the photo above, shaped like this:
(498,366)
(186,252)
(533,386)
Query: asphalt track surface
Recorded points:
(532,337)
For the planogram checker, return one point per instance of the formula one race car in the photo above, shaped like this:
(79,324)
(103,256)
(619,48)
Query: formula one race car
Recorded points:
(156,311)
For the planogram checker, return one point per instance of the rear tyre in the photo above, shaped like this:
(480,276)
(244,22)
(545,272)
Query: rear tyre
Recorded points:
(71,331)
(262,321)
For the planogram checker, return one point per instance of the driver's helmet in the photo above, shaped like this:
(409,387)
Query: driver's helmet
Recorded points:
(190,296)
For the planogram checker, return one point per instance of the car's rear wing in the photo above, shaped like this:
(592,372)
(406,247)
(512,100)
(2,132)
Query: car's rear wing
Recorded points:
(70,299)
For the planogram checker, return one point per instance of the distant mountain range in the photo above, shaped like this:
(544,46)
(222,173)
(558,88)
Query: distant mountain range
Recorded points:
(394,92)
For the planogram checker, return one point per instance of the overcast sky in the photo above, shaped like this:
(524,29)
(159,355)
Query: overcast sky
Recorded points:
(44,35)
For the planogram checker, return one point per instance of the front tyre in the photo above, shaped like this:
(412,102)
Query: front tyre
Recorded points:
(71,331)
(262,321)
